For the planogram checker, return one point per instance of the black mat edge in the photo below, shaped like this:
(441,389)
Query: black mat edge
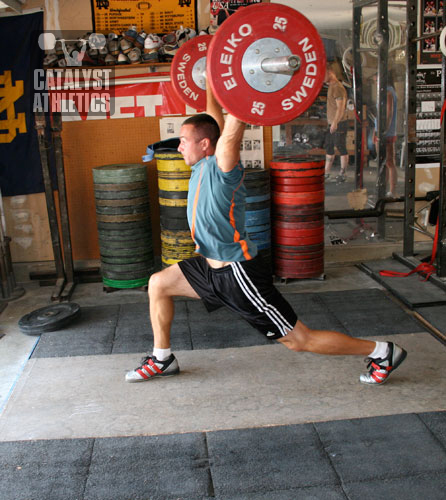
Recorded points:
(411,305)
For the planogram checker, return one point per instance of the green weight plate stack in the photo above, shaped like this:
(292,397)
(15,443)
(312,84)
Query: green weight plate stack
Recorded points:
(123,220)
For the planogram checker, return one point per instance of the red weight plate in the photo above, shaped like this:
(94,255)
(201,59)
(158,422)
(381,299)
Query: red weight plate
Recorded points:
(299,225)
(306,219)
(297,233)
(301,264)
(186,75)
(296,214)
(307,240)
(282,272)
(298,165)
(298,198)
(309,172)
(319,247)
(298,256)
(272,29)
(297,181)
(300,209)
(297,188)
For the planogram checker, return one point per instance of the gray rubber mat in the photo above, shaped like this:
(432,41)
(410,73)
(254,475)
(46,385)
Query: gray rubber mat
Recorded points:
(436,316)
(126,328)
(331,460)
(411,290)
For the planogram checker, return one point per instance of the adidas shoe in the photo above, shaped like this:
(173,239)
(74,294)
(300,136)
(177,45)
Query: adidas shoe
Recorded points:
(341,177)
(381,368)
(151,367)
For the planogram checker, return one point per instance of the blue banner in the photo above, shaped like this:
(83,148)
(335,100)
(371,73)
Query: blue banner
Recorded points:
(20,168)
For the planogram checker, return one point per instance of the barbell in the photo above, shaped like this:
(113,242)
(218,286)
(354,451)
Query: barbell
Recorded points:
(265,65)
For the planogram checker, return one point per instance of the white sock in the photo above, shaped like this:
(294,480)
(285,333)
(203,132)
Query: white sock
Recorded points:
(161,354)
(381,350)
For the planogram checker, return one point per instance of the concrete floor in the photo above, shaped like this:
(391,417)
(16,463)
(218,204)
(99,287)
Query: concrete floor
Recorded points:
(242,390)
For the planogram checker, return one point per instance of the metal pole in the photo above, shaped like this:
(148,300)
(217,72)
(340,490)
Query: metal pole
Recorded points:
(357,89)
(51,207)
(410,120)
(56,130)
(441,245)
(382,35)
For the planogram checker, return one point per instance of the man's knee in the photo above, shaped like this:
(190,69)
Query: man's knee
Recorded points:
(296,339)
(156,284)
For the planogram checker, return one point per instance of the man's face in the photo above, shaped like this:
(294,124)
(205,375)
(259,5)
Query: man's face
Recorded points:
(191,146)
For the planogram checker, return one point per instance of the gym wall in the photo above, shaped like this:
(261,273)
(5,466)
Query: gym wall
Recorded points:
(87,144)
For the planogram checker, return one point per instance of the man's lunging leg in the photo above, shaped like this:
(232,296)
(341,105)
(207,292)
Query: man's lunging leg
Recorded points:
(163,287)
(383,357)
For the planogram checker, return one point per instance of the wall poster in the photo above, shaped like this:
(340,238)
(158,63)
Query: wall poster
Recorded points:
(221,10)
(428,114)
(431,20)
(153,17)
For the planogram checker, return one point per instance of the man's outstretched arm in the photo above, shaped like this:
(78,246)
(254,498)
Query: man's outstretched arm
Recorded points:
(228,146)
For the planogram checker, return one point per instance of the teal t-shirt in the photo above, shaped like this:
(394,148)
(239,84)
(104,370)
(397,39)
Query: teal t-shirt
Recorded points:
(216,212)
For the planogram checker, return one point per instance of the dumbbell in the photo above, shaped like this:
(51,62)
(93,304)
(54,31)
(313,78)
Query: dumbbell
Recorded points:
(265,65)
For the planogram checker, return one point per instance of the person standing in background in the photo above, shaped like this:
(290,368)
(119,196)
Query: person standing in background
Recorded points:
(336,135)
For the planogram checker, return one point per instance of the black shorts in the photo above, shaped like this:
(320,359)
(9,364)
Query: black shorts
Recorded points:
(245,288)
(338,139)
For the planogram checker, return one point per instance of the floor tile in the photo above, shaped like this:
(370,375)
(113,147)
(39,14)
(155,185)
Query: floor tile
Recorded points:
(91,334)
(386,447)
(369,313)
(50,470)
(427,486)
(156,468)
(267,459)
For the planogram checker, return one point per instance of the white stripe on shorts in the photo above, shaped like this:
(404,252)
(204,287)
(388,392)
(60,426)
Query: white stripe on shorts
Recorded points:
(254,296)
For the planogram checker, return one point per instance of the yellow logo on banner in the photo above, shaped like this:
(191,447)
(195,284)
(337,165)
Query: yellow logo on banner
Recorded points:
(9,94)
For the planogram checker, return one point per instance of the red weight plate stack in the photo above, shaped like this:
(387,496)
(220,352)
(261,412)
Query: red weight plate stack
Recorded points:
(297,187)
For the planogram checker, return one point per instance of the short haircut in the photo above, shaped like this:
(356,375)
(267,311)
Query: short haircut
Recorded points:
(206,126)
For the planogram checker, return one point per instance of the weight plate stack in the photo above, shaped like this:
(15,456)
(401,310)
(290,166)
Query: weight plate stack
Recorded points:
(173,184)
(298,217)
(258,210)
(123,220)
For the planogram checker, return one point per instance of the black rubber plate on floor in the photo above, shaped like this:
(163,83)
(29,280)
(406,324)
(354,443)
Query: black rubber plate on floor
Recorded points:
(327,460)
(126,328)
(411,290)
(50,318)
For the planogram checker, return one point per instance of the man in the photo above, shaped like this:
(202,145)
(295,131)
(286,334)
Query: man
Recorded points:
(336,135)
(389,136)
(227,270)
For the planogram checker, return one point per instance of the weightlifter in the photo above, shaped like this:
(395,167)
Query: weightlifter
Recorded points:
(227,270)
